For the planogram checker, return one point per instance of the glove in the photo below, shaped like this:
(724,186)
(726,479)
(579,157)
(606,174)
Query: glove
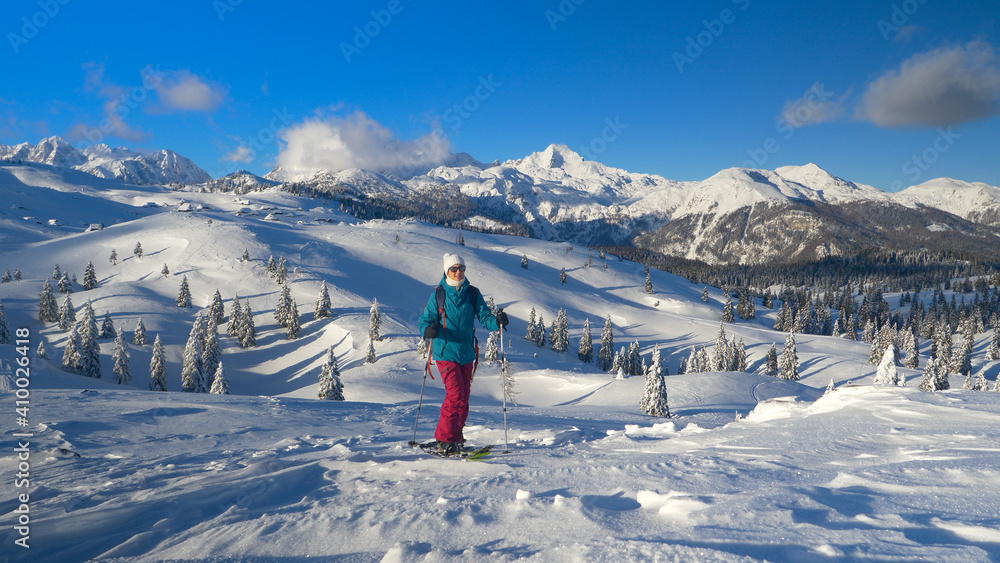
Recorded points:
(502,319)
(430,332)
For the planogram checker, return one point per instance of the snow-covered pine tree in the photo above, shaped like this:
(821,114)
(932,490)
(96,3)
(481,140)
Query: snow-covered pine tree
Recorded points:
(48,309)
(869,332)
(17,274)
(704,363)
(654,396)
(248,330)
(370,357)
(137,251)
(233,326)
(294,324)
(619,365)
(560,332)
(562,276)
(184,295)
(789,361)
(912,359)
(606,353)
(139,334)
(192,363)
(89,276)
(691,365)
(6,276)
(71,353)
(107,327)
(981,384)
(375,321)
(220,383)
(963,362)
(158,367)
(648,286)
(41,353)
(530,333)
(323,305)
(246,256)
(586,350)
(727,310)
(930,374)
(704,295)
(779,319)
(886,374)
(633,359)
(460,239)
(211,352)
(281,275)
(524,262)
(771,361)
(682,366)
(272,266)
(113,258)
(65,285)
(719,359)
(67,314)
(877,349)
(540,331)
(741,356)
(282,309)
(217,311)
(330,386)
(120,358)
(5,335)
(941,380)
(993,350)
(57,273)
(492,353)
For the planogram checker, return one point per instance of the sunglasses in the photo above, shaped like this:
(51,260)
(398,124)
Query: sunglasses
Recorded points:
(454,269)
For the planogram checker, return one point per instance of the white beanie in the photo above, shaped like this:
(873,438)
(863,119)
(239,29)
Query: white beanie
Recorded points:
(452,259)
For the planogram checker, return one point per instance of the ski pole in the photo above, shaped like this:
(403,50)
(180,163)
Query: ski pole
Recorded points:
(427,370)
(503,384)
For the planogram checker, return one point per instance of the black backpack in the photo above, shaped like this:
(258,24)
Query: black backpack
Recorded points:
(474,293)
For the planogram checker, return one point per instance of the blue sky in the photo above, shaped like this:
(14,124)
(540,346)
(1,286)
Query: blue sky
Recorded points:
(884,93)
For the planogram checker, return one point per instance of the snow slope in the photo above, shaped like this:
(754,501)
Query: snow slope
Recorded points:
(269,473)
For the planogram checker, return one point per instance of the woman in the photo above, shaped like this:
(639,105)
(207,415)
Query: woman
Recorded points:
(448,321)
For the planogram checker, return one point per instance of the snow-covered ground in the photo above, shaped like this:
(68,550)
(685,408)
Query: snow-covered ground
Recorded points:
(749,468)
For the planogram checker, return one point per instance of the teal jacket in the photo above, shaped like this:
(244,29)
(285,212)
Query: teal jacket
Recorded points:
(454,343)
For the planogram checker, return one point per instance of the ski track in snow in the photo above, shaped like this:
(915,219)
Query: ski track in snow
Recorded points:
(270,474)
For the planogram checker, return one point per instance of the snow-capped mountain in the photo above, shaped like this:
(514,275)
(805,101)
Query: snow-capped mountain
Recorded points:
(975,201)
(135,167)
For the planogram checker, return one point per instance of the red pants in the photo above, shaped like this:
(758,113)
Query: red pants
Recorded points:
(457,381)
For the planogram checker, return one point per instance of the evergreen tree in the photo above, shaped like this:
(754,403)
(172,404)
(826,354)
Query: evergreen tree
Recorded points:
(216,311)
(741,356)
(41,353)
(138,249)
(272,266)
(993,350)
(184,296)
(5,335)
(120,357)
(158,367)
(220,383)
(586,350)
(323,305)
(720,361)
(17,274)
(139,334)
(980,383)
(6,276)
(540,331)
(963,362)
(107,326)
(771,362)
(234,326)
(789,361)
(89,276)
(886,373)
(562,276)
(281,275)
(370,357)
(375,321)
(704,295)
(524,262)
(460,240)
(560,332)
(492,353)
(691,365)
(704,364)
(67,314)
(606,353)
(192,363)
(246,255)
(531,333)
(912,359)
(330,386)
(71,353)
(293,322)
(619,365)
(654,396)
(648,286)
(248,336)
(65,285)
(283,308)
(211,352)
(57,273)
(941,380)
(727,310)
(113,258)
(634,359)
(48,309)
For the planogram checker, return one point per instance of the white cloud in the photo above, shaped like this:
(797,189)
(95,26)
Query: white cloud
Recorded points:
(816,106)
(940,88)
(184,91)
(242,154)
(118,104)
(337,143)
